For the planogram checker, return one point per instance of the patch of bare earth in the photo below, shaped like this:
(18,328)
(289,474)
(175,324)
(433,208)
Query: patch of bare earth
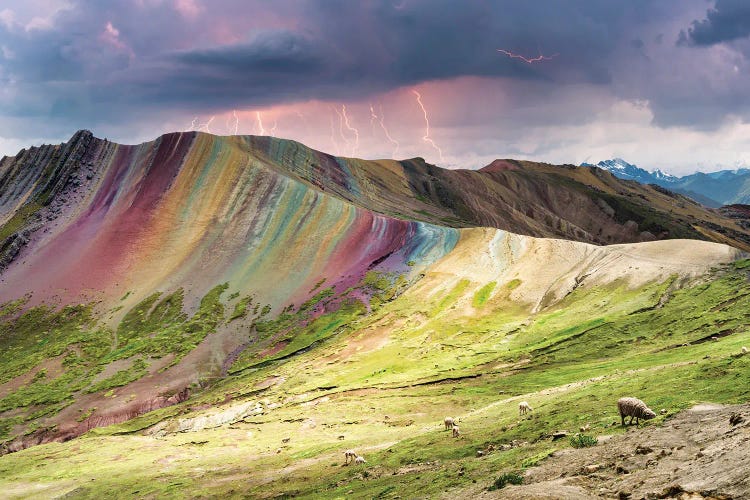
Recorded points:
(370,339)
(52,367)
(701,453)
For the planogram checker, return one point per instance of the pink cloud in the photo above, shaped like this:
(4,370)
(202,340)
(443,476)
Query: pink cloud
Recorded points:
(111,36)
(188,8)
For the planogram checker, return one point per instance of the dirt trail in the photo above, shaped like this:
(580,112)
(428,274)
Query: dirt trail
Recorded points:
(698,454)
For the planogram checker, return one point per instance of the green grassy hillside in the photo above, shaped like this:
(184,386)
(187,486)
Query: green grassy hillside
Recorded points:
(382,384)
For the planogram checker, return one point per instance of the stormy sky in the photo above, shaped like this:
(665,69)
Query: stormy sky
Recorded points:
(661,83)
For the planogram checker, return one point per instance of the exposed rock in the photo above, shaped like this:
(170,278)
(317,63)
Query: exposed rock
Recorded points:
(680,470)
(232,414)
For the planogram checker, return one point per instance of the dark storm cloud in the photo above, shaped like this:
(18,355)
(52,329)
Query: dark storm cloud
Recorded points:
(329,49)
(282,52)
(100,62)
(729,20)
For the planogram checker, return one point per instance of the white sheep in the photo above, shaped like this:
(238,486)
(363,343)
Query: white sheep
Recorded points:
(634,408)
(349,454)
(456,431)
(524,407)
(360,460)
(449,422)
(744,350)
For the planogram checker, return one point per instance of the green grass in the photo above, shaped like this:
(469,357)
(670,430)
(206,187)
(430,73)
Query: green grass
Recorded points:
(385,379)
(70,341)
(483,294)
(19,220)
(122,377)
(156,328)
(513,284)
(241,308)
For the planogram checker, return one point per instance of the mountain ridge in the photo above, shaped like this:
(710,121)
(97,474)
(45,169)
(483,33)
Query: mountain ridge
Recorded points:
(410,188)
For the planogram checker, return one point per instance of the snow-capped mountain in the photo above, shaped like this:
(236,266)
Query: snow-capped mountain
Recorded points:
(663,176)
(625,170)
(713,189)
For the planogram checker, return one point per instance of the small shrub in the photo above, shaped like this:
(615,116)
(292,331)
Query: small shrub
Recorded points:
(583,441)
(506,479)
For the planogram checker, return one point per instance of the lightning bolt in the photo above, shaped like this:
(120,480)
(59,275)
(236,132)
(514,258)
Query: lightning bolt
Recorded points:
(205,126)
(260,123)
(426,138)
(273,129)
(387,134)
(373,117)
(352,129)
(527,60)
(341,128)
(236,122)
(192,124)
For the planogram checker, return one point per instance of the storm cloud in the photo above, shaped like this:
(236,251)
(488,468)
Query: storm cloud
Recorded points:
(132,70)
(728,21)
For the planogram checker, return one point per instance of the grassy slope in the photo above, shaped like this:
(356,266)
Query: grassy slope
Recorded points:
(386,383)
(59,354)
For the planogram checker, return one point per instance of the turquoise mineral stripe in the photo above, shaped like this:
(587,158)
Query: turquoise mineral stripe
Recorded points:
(430,243)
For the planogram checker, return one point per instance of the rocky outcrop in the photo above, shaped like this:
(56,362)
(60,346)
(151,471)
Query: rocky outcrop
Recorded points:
(695,454)
(39,183)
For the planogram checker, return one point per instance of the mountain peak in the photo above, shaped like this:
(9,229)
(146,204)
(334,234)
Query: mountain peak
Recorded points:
(624,170)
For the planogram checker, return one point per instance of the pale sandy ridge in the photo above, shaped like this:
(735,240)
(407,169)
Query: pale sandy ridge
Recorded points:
(546,270)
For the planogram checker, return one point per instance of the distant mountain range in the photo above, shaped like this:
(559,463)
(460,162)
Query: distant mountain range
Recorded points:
(712,189)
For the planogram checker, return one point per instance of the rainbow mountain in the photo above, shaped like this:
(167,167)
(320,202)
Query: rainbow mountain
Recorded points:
(136,276)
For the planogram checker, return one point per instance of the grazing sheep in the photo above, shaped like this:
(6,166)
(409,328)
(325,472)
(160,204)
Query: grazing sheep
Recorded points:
(449,423)
(635,409)
(744,350)
(349,454)
(360,460)
(585,428)
(523,407)
(456,431)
